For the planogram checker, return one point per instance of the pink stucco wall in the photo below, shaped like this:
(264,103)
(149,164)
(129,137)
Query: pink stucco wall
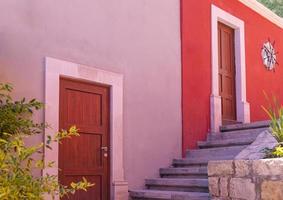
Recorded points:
(140,39)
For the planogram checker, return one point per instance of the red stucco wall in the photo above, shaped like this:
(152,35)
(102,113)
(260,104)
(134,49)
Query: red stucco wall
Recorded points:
(196,64)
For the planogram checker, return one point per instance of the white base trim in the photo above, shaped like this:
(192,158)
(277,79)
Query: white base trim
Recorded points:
(215,107)
(56,68)
(243,108)
(244,112)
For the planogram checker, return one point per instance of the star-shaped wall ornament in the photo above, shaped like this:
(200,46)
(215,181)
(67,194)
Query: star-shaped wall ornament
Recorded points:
(268,54)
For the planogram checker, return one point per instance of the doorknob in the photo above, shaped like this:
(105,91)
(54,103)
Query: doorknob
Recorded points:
(105,149)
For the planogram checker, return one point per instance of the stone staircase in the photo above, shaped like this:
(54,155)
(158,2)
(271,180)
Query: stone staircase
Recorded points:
(187,178)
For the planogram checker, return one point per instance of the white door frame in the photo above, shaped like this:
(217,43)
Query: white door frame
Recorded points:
(58,68)
(242,106)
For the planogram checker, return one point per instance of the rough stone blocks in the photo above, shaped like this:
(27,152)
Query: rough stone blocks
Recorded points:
(246,179)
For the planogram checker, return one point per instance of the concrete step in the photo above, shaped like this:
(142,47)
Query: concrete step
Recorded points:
(188,162)
(175,184)
(253,125)
(236,134)
(166,195)
(215,153)
(184,172)
(226,142)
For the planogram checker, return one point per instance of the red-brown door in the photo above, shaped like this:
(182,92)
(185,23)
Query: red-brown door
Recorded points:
(85,105)
(226,56)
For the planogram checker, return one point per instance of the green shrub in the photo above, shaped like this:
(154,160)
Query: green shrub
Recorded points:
(16,116)
(277,152)
(275,113)
(17,160)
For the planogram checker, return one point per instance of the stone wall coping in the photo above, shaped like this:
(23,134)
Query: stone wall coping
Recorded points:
(241,168)
(255,150)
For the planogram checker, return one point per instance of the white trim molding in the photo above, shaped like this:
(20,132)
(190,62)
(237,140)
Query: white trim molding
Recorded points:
(58,68)
(243,108)
(263,11)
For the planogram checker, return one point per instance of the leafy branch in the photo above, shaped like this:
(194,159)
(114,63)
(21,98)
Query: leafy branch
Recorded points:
(17,160)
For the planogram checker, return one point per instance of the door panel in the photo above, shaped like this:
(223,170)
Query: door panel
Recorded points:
(227,72)
(85,105)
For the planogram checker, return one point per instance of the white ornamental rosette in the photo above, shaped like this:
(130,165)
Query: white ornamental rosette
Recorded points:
(268,54)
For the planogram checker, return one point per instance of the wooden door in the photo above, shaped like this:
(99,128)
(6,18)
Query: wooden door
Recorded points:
(85,105)
(226,52)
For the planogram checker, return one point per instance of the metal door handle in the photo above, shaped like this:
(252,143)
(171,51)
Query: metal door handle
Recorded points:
(104,149)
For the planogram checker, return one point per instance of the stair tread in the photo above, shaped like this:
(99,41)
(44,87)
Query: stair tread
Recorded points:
(253,125)
(197,161)
(190,161)
(159,194)
(184,170)
(213,153)
(226,142)
(189,182)
(239,132)
(236,134)
(217,148)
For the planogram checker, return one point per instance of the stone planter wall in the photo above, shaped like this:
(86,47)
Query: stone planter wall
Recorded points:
(246,179)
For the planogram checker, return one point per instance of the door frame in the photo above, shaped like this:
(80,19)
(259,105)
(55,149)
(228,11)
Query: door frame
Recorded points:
(242,106)
(54,69)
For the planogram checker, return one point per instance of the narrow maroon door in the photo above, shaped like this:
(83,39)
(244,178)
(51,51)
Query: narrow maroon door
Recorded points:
(227,73)
(85,105)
